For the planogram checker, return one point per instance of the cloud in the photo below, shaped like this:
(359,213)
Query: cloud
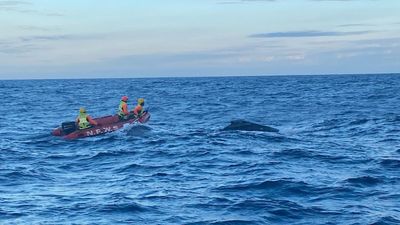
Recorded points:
(311,33)
(48,38)
(62,37)
(27,44)
(356,25)
(378,51)
(385,42)
(252,1)
(242,1)
(387,48)
(25,7)
(229,3)
(13,3)
(37,28)
(10,47)
(336,0)
(247,59)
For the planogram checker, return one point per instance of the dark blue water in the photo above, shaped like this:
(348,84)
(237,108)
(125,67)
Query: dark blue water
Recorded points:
(336,159)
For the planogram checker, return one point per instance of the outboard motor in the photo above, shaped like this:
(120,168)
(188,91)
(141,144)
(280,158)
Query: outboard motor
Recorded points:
(68,127)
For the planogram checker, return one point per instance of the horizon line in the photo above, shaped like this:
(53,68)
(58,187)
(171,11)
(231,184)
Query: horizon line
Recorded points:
(203,76)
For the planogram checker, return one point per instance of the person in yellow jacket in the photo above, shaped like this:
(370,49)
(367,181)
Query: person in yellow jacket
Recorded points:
(123,111)
(138,111)
(84,121)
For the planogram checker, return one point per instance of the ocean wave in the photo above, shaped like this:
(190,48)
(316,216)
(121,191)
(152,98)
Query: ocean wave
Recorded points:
(117,207)
(365,181)
(388,140)
(11,215)
(390,163)
(235,222)
(327,125)
(105,155)
(281,210)
(387,220)
(139,131)
(335,160)
(358,122)
(279,187)
(24,176)
(309,154)
(140,167)
(226,222)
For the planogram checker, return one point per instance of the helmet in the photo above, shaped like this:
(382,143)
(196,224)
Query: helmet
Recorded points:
(82,110)
(140,101)
(124,98)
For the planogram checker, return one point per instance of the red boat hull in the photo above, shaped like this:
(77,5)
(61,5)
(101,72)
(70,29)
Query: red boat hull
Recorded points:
(107,124)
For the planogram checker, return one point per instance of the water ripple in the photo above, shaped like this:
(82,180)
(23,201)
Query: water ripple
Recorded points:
(334,161)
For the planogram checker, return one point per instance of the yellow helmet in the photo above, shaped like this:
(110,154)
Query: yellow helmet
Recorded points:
(82,110)
(140,101)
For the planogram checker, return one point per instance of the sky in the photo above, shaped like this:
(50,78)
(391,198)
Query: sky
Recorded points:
(157,38)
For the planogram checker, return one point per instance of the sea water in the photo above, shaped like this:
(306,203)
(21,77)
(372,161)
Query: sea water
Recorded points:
(336,159)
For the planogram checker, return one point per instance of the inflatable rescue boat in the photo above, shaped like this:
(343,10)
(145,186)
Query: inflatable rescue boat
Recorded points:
(70,130)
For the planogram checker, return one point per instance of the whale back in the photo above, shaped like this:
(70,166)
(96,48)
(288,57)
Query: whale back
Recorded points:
(249,126)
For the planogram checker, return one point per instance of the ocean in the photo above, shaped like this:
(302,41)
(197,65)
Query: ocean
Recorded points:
(336,159)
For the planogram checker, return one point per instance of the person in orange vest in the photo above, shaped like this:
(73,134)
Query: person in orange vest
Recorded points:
(138,111)
(123,111)
(84,121)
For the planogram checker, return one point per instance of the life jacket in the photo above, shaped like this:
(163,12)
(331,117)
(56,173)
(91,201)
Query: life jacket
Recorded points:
(120,108)
(138,110)
(83,122)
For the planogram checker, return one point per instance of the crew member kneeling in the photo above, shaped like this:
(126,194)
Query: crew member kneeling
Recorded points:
(84,121)
(138,111)
(123,111)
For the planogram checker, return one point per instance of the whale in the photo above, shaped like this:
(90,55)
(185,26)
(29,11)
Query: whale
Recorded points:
(244,125)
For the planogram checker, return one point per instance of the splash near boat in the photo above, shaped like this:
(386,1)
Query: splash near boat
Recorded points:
(106,124)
